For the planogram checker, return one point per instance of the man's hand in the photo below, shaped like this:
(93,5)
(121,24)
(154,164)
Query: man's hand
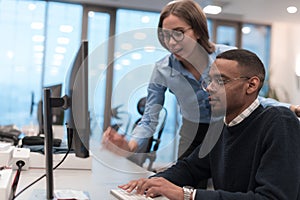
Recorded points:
(116,143)
(154,187)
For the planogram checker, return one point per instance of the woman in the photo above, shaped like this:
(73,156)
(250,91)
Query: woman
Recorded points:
(182,30)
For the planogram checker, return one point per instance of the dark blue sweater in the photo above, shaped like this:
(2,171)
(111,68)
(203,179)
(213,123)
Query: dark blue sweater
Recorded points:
(256,159)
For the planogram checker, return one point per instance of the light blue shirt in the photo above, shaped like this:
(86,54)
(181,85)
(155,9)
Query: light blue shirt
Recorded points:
(193,101)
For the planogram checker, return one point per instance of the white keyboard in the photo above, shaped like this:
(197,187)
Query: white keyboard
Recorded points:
(123,195)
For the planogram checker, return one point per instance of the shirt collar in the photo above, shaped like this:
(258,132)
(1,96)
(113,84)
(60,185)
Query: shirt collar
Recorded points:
(176,66)
(238,119)
(178,69)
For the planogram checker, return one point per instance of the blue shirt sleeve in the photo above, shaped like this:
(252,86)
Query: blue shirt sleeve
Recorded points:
(155,100)
(271,102)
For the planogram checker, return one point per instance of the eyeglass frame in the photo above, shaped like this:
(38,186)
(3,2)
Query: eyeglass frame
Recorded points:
(220,81)
(181,32)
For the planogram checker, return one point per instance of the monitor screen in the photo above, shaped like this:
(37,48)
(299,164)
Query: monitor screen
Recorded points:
(77,115)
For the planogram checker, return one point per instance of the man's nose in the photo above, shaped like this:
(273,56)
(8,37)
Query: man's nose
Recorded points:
(211,87)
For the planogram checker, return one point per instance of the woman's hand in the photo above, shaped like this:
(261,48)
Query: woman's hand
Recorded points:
(154,187)
(117,143)
(295,109)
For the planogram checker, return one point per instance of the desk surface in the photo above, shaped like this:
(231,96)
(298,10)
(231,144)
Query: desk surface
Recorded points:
(108,171)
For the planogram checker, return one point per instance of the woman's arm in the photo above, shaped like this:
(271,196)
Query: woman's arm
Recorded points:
(272,102)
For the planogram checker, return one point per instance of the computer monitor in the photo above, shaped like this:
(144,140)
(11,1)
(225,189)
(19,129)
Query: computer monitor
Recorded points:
(77,115)
(75,103)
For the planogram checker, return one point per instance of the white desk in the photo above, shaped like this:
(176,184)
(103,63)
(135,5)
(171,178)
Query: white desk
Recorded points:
(108,171)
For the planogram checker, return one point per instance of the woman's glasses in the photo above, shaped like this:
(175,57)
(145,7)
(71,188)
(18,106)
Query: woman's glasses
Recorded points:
(177,35)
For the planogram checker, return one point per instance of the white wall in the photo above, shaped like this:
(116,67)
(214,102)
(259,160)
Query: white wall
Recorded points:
(285,56)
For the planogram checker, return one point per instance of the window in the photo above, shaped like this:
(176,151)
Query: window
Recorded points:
(257,38)
(62,40)
(21,22)
(249,36)
(97,35)
(136,50)
(38,45)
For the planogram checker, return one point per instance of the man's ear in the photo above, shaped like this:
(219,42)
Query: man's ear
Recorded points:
(253,85)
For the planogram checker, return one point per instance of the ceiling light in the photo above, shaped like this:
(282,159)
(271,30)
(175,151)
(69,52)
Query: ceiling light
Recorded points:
(10,54)
(140,36)
(246,30)
(125,62)
(31,6)
(63,40)
(58,56)
(91,14)
(211,9)
(149,48)
(38,38)
(60,50)
(37,25)
(291,9)
(126,46)
(118,67)
(136,56)
(66,28)
(145,19)
(38,48)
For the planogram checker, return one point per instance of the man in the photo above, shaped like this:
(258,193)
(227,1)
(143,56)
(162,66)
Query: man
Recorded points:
(257,153)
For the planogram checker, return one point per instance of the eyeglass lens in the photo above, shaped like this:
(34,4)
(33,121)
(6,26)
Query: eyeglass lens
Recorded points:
(176,35)
(205,83)
(219,82)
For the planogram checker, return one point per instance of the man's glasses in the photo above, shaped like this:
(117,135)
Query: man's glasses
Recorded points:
(218,82)
(166,35)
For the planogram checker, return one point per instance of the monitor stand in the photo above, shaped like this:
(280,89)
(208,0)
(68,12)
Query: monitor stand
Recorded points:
(49,103)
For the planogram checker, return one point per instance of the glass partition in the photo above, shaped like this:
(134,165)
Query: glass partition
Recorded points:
(37,47)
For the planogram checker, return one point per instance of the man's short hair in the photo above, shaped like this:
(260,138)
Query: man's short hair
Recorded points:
(249,61)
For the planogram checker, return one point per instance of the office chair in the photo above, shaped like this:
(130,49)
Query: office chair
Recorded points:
(153,142)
